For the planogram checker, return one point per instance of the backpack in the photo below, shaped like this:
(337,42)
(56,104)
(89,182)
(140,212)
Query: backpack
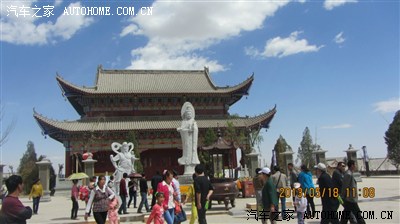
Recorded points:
(83,193)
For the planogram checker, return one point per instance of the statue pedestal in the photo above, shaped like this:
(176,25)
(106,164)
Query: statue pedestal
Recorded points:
(89,166)
(253,157)
(44,175)
(185,179)
(288,158)
(189,170)
(320,156)
(352,155)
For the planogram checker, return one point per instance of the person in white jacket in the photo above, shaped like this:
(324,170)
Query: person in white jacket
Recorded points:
(300,202)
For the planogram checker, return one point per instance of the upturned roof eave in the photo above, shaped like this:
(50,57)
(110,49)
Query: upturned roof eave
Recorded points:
(47,124)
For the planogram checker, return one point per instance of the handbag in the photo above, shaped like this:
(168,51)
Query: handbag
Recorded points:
(181,216)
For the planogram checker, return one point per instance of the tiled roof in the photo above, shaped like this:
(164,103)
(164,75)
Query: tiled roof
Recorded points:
(84,125)
(220,144)
(153,81)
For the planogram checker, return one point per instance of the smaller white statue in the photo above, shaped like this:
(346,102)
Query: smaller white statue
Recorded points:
(125,159)
(189,133)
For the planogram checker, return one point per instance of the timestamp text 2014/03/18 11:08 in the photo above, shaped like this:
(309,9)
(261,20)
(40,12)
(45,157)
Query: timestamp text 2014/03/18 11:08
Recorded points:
(366,192)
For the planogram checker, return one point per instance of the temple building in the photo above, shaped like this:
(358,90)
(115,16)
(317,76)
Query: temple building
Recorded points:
(149,103)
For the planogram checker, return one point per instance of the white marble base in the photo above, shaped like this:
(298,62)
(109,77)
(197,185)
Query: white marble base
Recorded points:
(185,179)
(189,169)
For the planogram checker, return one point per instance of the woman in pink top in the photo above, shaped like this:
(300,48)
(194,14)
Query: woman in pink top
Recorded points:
(167,188)
(157,212)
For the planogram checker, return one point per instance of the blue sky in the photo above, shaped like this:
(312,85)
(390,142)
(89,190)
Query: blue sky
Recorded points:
(330,65)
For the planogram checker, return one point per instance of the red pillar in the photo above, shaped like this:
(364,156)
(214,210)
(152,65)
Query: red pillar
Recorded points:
(68,168)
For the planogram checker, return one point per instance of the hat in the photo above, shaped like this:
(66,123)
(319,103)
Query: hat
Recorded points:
(265,170)
(320,166)
(296,185)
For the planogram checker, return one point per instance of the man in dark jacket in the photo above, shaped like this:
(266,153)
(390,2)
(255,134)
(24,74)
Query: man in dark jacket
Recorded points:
(143,193)
(155,180)
(12,210)
(329,202)
(350,198)
(337,178)
(123,193)
(203,191)
(132,189)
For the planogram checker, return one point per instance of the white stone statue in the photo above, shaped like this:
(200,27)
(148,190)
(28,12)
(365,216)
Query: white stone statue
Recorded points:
(189,134)
(125,159)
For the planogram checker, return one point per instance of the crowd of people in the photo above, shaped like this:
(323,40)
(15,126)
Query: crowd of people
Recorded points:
(166,205)
(101,198)
(271,186)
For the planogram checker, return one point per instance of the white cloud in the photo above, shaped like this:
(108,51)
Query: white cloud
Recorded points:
(57,2)
(178,32)
(330,4)
(26,30)
(282,47)
(339,38)
(387,106)
(338,126)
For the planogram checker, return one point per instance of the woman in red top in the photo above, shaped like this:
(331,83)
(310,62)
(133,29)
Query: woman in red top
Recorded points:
(74,198)
(167,188)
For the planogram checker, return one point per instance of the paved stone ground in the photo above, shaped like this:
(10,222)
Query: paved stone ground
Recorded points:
(387,198)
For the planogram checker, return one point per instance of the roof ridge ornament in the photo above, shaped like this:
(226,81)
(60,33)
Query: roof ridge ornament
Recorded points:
(206,70)
(99,70)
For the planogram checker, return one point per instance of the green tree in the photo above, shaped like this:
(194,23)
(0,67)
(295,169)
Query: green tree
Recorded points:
(255,138)
(210,138)
(281,146)
(392,140)
(234,136)
(306,148)
(240,139)
(132,138)
(28,168)
(230,132)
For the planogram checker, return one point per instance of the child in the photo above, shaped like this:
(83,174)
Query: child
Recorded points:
(113,211)
(157,212)
(300,202)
